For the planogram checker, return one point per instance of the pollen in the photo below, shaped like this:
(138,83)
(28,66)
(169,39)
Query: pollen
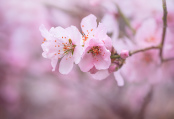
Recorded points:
(82,25)
(55,40)
(91,29)
(95,50)
(45,39)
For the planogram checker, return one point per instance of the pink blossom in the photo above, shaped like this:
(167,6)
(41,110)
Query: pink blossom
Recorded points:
(62,43)
(97,45)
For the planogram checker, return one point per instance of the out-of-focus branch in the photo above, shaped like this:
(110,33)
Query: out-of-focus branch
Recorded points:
(145,104)
(145,49)
(73,12)
(169,59)
(126,20)
(164,29)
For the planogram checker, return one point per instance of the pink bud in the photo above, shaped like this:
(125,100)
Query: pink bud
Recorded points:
(93,70)
(124,54)
(112,68)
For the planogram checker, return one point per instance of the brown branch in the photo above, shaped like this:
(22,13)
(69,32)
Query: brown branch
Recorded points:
(169,59)
(164,29)
(145,49)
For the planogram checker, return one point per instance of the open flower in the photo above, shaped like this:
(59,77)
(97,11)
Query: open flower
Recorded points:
(62,43)
(97,45)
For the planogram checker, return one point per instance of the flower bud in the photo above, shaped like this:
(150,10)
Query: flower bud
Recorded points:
(112,68)
(124,54)
(93,70)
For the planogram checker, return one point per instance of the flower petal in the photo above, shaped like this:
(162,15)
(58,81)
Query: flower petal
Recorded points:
(100,75)
(77,53)
(66,64)
(58,32)
(45,32)
(54,63)
(86,63)
(89,23)
(119,78)
(101,34)
(103,60)
(100,63)
(75,35)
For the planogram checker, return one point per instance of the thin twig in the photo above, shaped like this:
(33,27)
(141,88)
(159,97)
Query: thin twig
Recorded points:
(164,29)
(145,49)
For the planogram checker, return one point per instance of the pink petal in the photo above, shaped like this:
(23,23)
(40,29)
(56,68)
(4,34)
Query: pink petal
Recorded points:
(103,61)
(75,35)
(101,34)
(86,63)
(66,64)
(119,78)
(77,53)
(102,74)
(89,23)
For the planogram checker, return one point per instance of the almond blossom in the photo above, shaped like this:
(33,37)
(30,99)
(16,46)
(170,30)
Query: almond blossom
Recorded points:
(62,43)
(97,45)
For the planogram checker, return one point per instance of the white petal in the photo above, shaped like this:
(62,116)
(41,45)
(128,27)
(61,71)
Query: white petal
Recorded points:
(88,23)
(78,51)
(75,35)
(45,32)
(54,63)
(66,64)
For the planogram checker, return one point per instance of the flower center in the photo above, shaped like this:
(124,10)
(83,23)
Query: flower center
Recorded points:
(68,47)
(95,50)
(150,39)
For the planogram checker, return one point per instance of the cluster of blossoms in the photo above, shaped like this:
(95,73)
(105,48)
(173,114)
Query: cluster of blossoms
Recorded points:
(91,50)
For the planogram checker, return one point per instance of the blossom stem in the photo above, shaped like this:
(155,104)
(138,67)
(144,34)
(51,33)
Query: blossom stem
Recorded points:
(164,29)
(114,56)
(145,49)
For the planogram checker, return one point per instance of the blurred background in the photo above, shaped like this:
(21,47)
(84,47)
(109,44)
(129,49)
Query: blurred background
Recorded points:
(30,90)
